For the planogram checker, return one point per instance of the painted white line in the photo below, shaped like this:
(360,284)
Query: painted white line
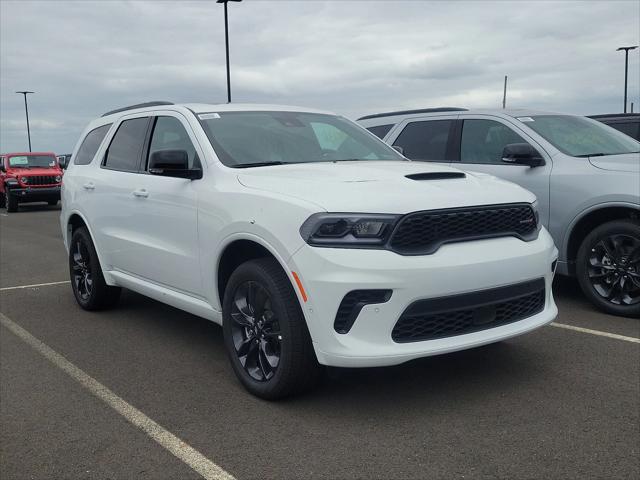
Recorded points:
(596,332)
(190,456)
(19,287)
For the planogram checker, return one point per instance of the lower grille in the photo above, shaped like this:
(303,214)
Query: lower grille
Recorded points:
(40,180)
(461,314)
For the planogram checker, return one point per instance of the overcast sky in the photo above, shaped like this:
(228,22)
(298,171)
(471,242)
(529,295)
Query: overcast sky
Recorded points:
(352,57)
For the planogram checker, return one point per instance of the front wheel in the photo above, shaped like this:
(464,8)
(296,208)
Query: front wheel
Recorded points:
(10,202)
(52,203)
(265,333)
(87,281)
(608,267)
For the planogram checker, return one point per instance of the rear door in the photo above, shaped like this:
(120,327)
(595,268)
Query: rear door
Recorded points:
(427,139)
(480,141)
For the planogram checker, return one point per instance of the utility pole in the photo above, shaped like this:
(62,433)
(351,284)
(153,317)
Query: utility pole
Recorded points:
(226,41)
(26,111)
(504,94)
(626,70)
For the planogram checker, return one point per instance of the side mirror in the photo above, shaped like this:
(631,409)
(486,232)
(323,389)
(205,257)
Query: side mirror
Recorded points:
(398,149)
(173,163)
(522,154)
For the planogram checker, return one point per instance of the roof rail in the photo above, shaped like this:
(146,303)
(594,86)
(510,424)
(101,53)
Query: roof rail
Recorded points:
(409,112)
(138,105)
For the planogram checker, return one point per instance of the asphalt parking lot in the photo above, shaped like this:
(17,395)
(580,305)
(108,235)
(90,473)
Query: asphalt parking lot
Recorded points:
(556,403)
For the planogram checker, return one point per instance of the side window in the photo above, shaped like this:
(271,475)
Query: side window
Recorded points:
(169,134)
(90,145)
(484,140)
(126,147)
(631,129)
(425,140)
(380,130)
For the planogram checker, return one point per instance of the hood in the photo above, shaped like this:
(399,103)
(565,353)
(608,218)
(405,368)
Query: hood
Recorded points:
(19,172)
(383,187)
(628,162)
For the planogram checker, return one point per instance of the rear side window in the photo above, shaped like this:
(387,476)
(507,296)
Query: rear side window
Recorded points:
(126,147)
(90,145)
(425,140)
(380,130)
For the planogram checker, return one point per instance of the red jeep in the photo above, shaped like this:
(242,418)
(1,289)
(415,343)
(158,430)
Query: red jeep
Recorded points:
(29,177)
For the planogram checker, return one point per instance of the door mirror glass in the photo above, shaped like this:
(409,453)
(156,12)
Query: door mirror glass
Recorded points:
(172,163)
(522,154)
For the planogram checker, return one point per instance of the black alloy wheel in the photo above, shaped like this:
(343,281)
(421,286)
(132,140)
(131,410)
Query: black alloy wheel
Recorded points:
(608,267)
(87,281)
(256,331)
(81,270)
(614,269)
(265,332)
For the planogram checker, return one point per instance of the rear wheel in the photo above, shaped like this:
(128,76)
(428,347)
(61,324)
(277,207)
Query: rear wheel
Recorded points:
(87,281)
(608,267)
(265,332)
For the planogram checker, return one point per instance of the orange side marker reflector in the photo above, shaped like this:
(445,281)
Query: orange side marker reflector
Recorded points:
(300,287)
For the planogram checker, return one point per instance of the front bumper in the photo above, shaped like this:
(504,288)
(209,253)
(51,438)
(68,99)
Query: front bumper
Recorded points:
(35,194)
(329,274)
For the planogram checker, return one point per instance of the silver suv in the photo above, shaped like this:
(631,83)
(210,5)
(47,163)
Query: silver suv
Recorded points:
(585,174)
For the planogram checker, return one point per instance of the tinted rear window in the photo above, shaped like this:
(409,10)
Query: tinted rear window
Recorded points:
(90,145)
(126,147)
(425,140)
(380,130)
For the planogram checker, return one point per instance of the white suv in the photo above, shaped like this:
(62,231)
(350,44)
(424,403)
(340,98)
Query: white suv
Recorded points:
(310,240)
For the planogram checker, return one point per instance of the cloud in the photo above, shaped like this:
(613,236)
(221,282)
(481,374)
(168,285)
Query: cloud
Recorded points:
(353,57)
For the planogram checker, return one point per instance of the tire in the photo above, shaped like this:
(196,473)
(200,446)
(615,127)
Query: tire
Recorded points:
(10,202)
(281,333)
(52,203)
(608,267)
(87,281)
(3,199)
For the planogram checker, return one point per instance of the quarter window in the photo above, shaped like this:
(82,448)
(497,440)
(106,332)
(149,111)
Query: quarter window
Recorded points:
(90,145)
(484,140)
(170,134)
(425,140)
(126,147)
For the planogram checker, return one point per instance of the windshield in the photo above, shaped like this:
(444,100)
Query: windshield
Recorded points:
(245,139)
(29,161)
(580,136)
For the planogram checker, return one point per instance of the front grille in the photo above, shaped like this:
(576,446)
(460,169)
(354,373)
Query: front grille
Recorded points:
(39,180)
(352,305)
(422,233)
(461,314)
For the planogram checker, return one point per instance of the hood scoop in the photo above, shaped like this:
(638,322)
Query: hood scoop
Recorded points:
(435,175)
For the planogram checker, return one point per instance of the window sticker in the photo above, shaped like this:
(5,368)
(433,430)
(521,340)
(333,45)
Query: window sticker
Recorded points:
(526,119)
(19,161)
(208,116)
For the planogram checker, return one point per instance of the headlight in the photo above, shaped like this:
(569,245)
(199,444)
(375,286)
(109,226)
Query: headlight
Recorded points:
(58,178)
(348,229)
(24,180)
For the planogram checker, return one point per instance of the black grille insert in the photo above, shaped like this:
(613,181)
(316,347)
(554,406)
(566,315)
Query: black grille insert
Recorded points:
(41,180)
(422,233)
(460,314)
(352,304)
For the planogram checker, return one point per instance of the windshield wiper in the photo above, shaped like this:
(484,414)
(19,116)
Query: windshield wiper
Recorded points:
(593,155)
(259,164)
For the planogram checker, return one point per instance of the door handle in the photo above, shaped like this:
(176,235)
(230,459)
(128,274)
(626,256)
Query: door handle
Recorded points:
(89,186)
(142,193)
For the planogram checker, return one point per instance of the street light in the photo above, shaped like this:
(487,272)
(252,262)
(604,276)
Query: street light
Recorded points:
(626,70)
(226,40)
(26,110)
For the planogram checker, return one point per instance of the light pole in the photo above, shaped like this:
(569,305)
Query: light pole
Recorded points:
(226,41)
(626,70)
(26,111)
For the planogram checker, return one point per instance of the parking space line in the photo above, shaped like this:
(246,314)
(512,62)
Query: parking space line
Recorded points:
(191,457)
(596,332)
(36,285)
